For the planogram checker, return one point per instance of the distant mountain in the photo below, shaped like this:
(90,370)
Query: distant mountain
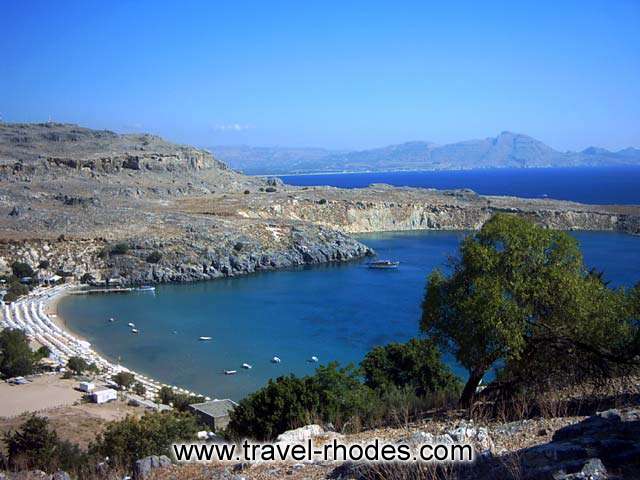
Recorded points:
(507,150)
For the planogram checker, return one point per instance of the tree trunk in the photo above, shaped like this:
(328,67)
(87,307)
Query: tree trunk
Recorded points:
(469,390)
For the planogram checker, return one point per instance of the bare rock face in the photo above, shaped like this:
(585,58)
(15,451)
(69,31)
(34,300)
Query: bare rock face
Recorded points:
(29,148)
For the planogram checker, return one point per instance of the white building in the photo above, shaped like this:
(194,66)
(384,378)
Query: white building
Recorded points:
(104,396)
(86,386)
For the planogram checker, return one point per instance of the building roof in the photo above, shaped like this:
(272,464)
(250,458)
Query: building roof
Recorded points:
(215,408)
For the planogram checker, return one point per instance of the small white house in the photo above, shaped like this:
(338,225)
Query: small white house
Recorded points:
(104,396)
(86,386)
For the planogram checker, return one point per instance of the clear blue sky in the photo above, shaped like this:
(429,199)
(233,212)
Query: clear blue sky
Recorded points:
(327,74)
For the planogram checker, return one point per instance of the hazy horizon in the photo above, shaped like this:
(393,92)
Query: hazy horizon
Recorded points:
(334,76)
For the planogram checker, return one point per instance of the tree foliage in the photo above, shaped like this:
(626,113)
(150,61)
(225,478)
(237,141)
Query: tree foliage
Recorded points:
(331,394)
(124,379)
(16,356)
(133,438)
(22,269)
(77,365)
(415,364)
(179,401)
(35,446)
(512,282)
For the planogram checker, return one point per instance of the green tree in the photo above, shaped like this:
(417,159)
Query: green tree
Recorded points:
(22,269)
(16,357)
(139,389)
(154,257)
(119,249)
(124,379)
(415,364)
(130,439)
(15,291)
(36,446)
(77,365)
(515,280)
(179,401)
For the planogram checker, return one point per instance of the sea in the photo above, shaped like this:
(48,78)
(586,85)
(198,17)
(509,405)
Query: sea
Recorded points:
(334,312)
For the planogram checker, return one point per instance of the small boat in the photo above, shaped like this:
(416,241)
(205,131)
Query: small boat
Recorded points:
(230,372)
(134,331)
(275,360)
(247,366)
(146,288)
(112,320)
(131,324)
(204,339)
(384,264)
(313,359)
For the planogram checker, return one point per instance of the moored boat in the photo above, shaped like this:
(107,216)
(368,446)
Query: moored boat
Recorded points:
(275,360)
(204,339)
(247,366)
(384,264)
(230,372)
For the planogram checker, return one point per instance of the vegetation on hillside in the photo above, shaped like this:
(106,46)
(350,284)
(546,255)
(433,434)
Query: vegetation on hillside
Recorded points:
(16,356)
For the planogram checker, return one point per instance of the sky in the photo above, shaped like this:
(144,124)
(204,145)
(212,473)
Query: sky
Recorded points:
(340,75)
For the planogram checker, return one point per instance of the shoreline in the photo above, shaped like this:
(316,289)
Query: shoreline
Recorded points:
(36,314)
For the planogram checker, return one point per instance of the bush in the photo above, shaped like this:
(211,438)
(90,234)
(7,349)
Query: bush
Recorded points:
(270,189)
(247,192)
(130,439)
(77,365)
(154,257)
(35,446)
(44,264)
(119,249)
(124,379)
(139,389)
(332,395)
(322,201)
(180,401)
(415,364)
(21,269)
(16,357)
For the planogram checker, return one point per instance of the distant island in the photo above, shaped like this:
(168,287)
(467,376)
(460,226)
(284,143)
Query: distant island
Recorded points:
(507,150)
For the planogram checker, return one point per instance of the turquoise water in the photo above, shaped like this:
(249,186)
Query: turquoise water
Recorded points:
(597,185)
(336,312)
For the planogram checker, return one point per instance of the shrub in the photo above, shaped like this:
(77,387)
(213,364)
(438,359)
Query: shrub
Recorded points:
(322,201)
(180,401)
(119,249)
(130,439)
(415,364)
(35,446)
(247,192)
(21,269)
(124,379)
(44,264)
(77,365)
(154,257)
(332,394)
(139,389)
(16,357)
(270,189)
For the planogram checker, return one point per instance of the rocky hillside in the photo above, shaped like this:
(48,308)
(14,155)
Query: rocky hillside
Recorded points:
(70,195)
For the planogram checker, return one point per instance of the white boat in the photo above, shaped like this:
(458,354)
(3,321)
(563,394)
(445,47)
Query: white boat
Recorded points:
(275,360)
(314,359)
(146,288)
(230,372)
(204,339)
(134,330)
(384,264)
(131,324)
(247,366)
(112,319)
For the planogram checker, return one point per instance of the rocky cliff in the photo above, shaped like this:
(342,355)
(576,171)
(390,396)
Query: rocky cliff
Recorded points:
(69,195)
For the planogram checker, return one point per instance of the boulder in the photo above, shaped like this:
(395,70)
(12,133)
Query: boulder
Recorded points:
(144,466)
(301,434)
